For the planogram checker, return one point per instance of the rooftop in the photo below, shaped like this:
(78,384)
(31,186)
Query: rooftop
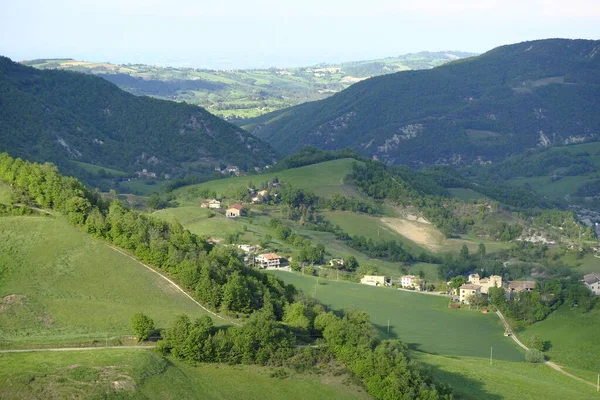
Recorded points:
(270,256)
(237,207)
(470,286)
(521,284)
(591,278)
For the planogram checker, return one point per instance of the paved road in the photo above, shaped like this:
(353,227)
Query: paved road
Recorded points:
(75,349)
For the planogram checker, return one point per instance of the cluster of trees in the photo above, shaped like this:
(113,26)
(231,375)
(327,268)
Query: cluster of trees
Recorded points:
(308,252)
(215,274)
(311,155)
(567,222)
(341,203)
(550,294)
(374,179)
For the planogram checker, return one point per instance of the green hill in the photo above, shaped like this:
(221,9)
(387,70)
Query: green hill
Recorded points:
(475,110)
(59,286)
(140,374)
(60,116)
(247,93)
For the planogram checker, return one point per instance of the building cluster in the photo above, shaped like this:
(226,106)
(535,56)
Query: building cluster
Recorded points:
(478,286)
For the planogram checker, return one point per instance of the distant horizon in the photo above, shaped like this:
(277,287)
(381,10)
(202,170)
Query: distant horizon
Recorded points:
(186,64)
(266,33)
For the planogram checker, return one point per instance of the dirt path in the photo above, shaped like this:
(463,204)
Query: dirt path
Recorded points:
(172,283)
(552,365)
(76,349)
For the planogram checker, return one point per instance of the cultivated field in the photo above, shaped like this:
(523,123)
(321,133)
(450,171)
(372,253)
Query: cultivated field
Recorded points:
(60,286)
(423,321)
(125,374)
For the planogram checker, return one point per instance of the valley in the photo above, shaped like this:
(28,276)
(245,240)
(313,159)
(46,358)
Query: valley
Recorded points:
(375,230)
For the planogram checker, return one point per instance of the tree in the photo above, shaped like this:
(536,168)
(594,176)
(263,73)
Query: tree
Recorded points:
(142,326)
(534,356)
(464,252)
(265,240)
(535,342)
(481,251)
(457,282)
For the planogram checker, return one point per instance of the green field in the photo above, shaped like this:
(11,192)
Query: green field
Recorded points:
(370,227)
(95,169)
(60,286)
(474,379)
(141,187)
(323,179)
(143,374)
(5,193)
(573,338)
(555,190)
(422,321)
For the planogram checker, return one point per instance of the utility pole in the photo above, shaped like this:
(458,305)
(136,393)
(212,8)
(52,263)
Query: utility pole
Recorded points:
(598,384)
(388,327)
(491,354)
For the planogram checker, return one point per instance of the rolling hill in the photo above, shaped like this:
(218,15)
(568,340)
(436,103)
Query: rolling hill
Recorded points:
(476,110)
(247,93)
(62,117)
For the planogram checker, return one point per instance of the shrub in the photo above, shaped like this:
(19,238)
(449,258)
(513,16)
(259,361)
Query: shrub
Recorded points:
(534,356)
(142,326)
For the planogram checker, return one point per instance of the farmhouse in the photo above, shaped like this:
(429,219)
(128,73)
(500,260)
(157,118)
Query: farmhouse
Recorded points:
(214,203)
(520,286)
(374,280)
(336,262)
(592,281)
(268,260)
(247,248)
(467,290)
(486,283)
(409,281)
(234,211)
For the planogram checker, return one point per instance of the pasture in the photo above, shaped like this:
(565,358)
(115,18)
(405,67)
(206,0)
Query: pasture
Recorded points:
(60,286)
(136,373)
(474,379)
(323,179)
(423,321)
(573,338)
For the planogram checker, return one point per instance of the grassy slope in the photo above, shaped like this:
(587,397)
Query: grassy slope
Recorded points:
(76,288)
(422,321)
(143,374)
(475,378)
(573,337)
(5,193)
(323,179)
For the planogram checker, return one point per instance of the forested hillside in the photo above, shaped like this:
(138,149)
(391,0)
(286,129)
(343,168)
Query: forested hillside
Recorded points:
(247,93)
(472,111)
(67,117)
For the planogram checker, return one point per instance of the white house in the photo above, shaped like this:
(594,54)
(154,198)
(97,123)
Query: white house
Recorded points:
(269,260)
(592,281)
(374,280)
(408,281)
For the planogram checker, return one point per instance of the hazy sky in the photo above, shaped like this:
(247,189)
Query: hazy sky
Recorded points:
(264,33)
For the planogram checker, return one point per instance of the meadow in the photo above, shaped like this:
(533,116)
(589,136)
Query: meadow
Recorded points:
(135,373)
(323,179)
(573,338)
(474,379)
(60,286)
(423,321)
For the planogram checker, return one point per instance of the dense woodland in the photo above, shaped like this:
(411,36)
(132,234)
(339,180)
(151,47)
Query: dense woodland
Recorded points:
(62,117)
(483,108)
(278,317)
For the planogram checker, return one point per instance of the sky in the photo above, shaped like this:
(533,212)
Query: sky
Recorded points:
(230,34)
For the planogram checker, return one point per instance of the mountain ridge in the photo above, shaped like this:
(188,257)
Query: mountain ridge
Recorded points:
(470,111)
(62,116)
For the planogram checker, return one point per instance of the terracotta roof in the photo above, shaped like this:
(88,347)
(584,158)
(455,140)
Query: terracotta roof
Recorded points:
(270,256)
(591,278)
(408,277)
(237,207)
(470,286)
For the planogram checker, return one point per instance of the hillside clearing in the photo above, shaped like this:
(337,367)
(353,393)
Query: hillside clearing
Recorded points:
(144,374)
(60,286)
